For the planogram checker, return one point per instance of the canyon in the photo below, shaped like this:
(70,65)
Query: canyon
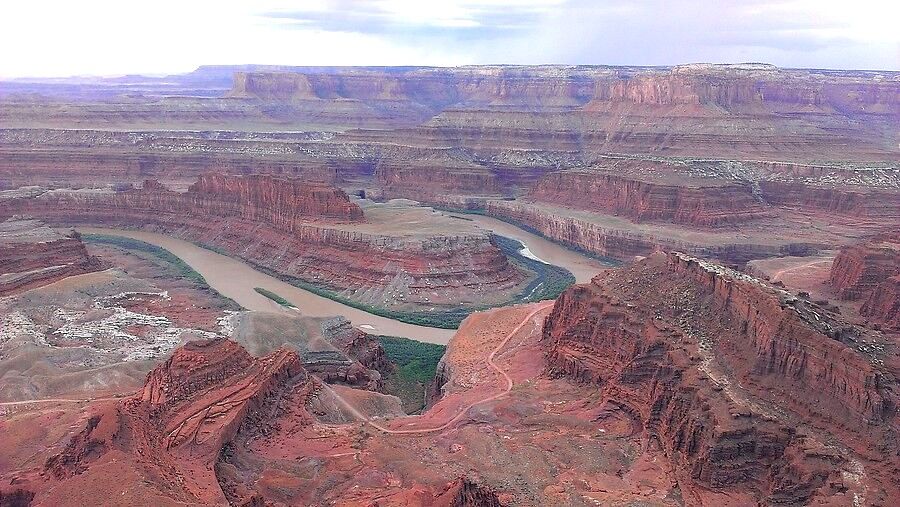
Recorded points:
(304,231)
(716,366)
(868,272)
(32,255)
(254,242)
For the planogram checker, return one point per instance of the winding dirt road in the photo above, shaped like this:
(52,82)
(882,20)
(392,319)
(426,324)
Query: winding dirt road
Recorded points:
(490,362)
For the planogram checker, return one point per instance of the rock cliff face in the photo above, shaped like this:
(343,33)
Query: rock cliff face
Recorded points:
(883,304)
(719,85)
(284,204)
(859,269)
(698,203)
(289,228)
(870,272)
(64,166)
(434,182)
(717,369)
(32,255)
(172,433)
(735,86)
(624,243)
(879,205)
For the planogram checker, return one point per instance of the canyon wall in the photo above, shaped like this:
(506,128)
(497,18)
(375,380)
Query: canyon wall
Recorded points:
(859,269)
(33,255)
(704,204)
(726,86)
(617,242)
(173,432)
(20,167)
(883,304)
(289,228)
(870,272)
(857,203)
(283,204)
(716,368)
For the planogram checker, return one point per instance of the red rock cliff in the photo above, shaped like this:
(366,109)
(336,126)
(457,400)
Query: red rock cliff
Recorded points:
(173,431)
(289,228)
(883,304)
(32,255)
(859,269)
(281,203)
(613,191)
(718,369)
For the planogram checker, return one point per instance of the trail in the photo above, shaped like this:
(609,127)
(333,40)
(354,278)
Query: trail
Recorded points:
(61,400)
(777,275)
(490,362)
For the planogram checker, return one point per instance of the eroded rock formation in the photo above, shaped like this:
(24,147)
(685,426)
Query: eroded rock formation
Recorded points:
(718,367)
(289,227)
(859,269)
(32,255)
(869,272)
(700,203)
(883,304)
(172,432)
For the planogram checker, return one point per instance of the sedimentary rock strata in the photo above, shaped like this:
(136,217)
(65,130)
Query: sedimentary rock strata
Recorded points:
(32,255)
(716,366)
(173,431)
(291,228)
(883,303)
(859,269)
(869,272)
(610,190)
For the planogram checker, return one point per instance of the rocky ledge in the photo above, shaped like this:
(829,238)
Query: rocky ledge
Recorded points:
(696,202)
(747,389)
(298,230)
(32,255)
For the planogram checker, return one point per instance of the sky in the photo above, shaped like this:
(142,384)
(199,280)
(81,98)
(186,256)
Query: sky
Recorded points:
(46,38)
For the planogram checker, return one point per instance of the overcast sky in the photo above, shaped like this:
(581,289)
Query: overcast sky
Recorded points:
(113,37)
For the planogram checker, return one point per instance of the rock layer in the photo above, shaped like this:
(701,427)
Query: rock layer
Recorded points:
(859,269)
(289,228)
(173,431)
(32,255)
(717,367)
(698,203)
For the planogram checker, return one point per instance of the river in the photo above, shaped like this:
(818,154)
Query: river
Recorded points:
(235,279)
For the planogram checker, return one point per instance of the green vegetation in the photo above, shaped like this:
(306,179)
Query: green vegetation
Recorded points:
(416,365)
(609,261)
(550,280)
(274,297)
(548,283)
(447,319)
(157,254)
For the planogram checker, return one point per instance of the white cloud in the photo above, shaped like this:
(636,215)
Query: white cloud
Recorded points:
(58,38)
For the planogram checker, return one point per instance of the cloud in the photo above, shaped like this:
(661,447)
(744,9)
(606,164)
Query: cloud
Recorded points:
(64,37)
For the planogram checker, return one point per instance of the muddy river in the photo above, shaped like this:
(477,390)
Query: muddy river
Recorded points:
(236,279)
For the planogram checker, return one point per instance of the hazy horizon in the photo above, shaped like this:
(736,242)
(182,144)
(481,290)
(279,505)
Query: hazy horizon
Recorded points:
(104,38)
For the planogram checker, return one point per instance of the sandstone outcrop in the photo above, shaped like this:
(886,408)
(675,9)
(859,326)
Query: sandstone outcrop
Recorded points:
(280,203)
(859,269)
(717,368)
(883,304)
(295,229)
(617,239)
(869,272)
(610,190)
(32,255)
(173,431)
(881,205)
